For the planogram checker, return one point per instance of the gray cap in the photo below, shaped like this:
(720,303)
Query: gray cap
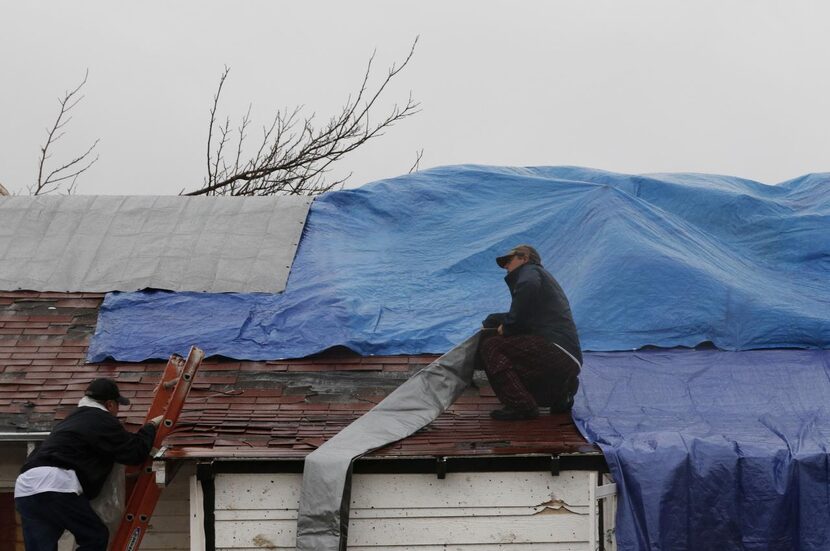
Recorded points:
(525,251)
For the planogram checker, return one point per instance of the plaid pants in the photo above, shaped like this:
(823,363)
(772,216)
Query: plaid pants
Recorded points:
(526,371)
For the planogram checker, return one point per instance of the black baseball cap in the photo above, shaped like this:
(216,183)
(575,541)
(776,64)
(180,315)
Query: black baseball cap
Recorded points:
(105,389)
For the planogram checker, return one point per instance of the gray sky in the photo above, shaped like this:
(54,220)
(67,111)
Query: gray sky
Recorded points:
(723,86)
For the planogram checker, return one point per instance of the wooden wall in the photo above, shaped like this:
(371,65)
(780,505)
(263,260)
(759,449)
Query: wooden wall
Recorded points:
(170,526)
(12,455)
(464,512)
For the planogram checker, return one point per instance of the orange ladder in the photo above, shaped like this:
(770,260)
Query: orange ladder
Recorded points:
(142,489)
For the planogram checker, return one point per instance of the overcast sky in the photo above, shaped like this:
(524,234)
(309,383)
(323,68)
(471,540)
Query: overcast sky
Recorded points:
(731,87)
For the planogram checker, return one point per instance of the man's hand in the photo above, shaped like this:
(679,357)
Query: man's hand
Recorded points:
(492,321)
(156,421)
(501,330)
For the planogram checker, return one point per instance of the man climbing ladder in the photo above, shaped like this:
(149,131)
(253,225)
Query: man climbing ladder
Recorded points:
(69,468)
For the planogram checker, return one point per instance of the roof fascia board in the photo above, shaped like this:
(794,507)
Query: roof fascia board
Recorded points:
(425,465)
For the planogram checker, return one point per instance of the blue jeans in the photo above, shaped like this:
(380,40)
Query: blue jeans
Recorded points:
(46,515)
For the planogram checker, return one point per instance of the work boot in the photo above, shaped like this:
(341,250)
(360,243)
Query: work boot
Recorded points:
(510,414)
(563,407)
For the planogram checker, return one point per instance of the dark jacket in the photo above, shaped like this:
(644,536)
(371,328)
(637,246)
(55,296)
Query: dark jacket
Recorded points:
(88,442)
(539,307)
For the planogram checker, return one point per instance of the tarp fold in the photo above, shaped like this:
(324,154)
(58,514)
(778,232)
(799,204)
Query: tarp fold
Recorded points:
(713,449)
(323,517)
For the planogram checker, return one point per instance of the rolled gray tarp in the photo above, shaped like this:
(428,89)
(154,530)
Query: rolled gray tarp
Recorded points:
(323,517)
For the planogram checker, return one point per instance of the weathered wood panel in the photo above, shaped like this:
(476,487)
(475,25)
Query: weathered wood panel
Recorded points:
(389,533)
(197,515)
(285,514)
(170,525)
(10,535)
(257,491)
(12,456)
(609,518)
(465,511)
(282,491)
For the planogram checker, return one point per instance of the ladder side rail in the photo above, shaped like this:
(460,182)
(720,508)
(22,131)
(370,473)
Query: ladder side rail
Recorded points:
(161,398)
(146,492)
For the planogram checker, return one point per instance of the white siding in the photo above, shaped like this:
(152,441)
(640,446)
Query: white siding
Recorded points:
(609,517)
(465,511)
(197,515)
(170,525)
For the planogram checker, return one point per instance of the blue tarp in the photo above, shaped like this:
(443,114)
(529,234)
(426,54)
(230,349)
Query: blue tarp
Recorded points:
(713,449)
(406,266)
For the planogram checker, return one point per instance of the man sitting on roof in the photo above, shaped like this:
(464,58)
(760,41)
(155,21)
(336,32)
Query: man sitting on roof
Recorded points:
(533,357)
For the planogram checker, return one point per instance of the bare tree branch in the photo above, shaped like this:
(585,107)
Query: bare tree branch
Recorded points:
(72,169)
(296,154)
(418,156)
(213,109)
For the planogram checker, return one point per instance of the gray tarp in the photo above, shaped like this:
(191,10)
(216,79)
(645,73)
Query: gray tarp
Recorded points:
(323,519)
(110,243)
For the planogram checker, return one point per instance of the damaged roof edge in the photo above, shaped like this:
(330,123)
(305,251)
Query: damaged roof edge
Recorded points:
(589,461)
(23,436)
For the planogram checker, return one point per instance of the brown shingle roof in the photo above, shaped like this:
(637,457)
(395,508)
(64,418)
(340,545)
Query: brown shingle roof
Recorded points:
(275,409)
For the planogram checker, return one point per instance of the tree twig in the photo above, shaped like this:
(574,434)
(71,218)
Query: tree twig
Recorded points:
(295,154)
(418,156)
(72,169)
